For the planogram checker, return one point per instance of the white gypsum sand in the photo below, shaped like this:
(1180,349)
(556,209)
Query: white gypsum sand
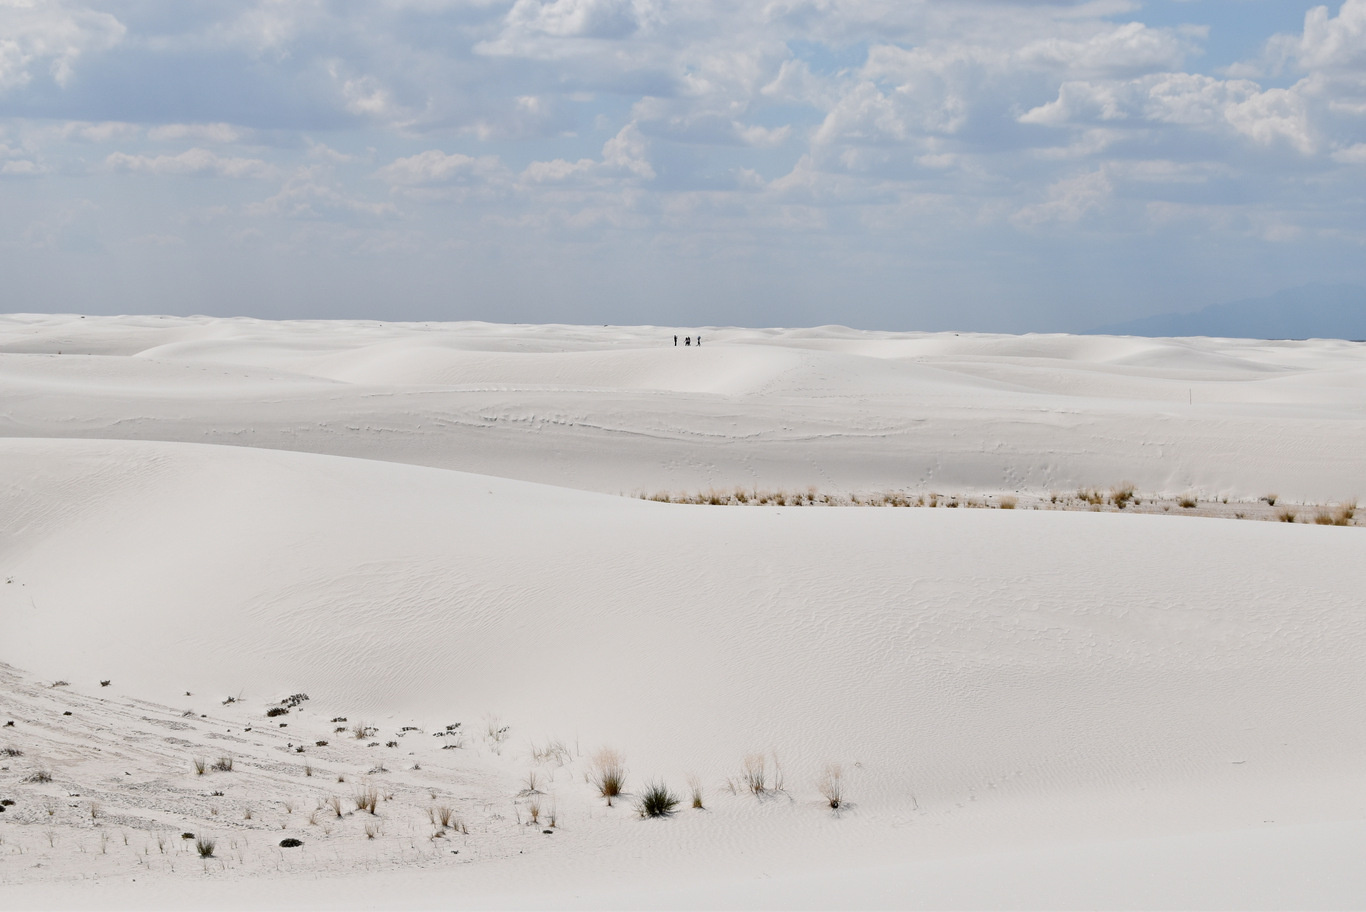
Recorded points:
(419,525)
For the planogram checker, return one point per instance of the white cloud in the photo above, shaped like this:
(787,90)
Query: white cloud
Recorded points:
(1130,47)
(1267,117)
(191,161)
(51,34)
(104,132)
(307,195)
(219,133)
(579,18)
(437,167)
(1069,200)
(1351,155)
(1327,42)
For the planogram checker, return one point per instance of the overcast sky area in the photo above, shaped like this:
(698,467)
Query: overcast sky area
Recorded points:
(946,164)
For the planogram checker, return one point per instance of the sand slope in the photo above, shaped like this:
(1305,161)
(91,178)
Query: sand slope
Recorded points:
(1016,697)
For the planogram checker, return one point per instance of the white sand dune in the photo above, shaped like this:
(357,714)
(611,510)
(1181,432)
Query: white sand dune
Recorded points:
(1031,708)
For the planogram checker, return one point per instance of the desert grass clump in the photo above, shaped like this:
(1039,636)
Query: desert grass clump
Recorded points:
(444,815)
(755,775)
(831,785)
(1270,499)
(657,801)
(11,752)
(371,829)
(1187,501)
(553,750)
(695,786)
(366,798)
(1008,502)
(224,764)
(39,776)
(1091,496)
(1121,494)
(1286,515)
(204,846)
(609,773)
(201,765)
(333,802)
(1339,516)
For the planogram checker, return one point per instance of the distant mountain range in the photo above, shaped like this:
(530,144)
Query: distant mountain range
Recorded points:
(1309,312)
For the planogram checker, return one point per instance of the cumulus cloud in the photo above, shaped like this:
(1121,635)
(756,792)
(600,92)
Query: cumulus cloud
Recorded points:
(624,155)
(685,118)
(1327,42)
(1267,117)
(579,18)
(436,167)
(50,35)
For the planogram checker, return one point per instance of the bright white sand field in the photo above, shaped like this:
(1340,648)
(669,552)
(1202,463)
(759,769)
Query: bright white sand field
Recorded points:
(1067,704)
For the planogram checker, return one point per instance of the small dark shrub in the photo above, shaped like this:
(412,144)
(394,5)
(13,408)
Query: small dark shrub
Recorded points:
(204,847)
(291,843)
(657,801)
(276,711)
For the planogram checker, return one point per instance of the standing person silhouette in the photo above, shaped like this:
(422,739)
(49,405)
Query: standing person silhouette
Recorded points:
(699,340)
(675,340)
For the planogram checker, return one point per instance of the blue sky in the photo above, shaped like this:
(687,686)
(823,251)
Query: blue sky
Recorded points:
(1009,165)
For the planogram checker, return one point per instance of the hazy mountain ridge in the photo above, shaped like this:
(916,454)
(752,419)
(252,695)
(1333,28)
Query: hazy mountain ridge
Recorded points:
(1314,311)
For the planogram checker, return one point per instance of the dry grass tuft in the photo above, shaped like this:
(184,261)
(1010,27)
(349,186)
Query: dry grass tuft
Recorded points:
(366,798)
(1286,515)
(831,785)
(1121,494)
(1008,502)
(1340,515)
(1187,501)
(695,786)
(755,775)
(204,846)
(609,773)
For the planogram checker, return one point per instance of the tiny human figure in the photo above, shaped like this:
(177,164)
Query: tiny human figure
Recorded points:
(699,340)
(675,340)
(687,340)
